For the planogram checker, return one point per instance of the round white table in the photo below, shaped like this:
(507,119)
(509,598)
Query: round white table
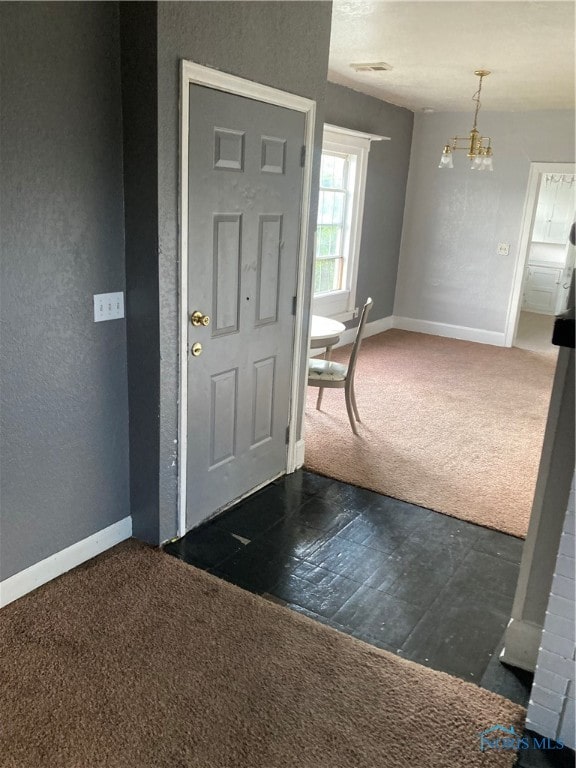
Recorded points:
(325,332)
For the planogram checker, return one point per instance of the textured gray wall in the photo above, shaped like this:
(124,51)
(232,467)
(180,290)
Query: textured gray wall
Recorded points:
(385,190)
(64,426)
(450,271)
(138,34)
(281,44)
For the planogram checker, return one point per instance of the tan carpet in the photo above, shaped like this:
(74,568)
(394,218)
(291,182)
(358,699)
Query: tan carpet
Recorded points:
(450,425)
(137,660)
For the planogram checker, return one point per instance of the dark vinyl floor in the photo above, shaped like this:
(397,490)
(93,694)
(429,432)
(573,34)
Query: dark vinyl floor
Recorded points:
(425,586)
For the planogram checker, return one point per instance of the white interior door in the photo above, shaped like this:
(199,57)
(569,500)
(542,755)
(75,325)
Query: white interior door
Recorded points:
(541,291)
(243,211)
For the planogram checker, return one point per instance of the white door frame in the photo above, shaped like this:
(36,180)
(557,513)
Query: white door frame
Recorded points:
(222,81)
(514,304)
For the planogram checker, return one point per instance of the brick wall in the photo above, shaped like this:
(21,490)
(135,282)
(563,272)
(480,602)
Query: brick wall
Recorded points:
(551,709)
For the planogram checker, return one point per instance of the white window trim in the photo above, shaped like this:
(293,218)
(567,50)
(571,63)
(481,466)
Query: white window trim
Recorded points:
(341,305)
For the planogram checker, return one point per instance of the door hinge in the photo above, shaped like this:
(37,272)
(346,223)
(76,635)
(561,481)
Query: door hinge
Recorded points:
(294,298)
(303,156)
(287,434)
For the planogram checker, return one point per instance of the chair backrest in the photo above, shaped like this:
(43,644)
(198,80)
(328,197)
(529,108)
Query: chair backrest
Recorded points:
(358,340)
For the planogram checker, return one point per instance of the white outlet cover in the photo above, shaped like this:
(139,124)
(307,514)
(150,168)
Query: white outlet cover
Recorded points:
(503,249)
(108,306)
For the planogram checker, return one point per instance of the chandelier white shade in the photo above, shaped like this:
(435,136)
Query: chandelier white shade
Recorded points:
(479,147)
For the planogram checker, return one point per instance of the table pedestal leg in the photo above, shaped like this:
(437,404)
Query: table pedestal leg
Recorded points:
(327,356)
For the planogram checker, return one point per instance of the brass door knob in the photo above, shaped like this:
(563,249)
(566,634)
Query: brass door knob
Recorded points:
(196,349)
(197,318)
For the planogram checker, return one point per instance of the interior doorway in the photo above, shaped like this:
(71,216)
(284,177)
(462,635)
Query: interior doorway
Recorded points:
(545,260)
(246,159)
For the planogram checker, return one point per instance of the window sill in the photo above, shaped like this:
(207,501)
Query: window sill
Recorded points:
(335,305)
(343,317)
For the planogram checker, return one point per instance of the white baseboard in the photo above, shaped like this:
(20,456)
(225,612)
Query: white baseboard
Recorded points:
(33,577)
(521,644)
(425,326)
(461,332)
(371,329)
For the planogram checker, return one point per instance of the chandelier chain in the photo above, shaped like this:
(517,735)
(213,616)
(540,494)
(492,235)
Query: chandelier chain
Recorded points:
(476,98)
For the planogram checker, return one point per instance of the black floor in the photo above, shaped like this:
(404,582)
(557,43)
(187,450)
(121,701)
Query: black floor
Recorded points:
(425,586)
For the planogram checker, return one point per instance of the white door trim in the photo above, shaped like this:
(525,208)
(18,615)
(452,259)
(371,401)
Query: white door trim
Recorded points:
(212,78)
(515,301)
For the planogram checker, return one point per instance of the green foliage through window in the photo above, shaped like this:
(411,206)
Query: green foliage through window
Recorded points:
(328,240)
(326,275)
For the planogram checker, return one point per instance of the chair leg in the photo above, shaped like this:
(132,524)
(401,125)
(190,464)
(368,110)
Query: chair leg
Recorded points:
(348,398)
(353,398)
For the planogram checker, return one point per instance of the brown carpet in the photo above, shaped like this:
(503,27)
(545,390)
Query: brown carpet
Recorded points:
(137,660)
(450,425)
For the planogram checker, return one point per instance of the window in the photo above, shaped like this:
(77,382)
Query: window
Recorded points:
(339,223)
(333,226)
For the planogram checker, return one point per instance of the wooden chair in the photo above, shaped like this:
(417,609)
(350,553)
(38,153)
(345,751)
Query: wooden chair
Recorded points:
(325,373)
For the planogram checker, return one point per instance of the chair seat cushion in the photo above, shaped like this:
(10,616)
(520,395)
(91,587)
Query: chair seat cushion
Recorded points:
(325,370)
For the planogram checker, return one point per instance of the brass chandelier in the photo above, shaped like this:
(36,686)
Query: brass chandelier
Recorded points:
(479,149)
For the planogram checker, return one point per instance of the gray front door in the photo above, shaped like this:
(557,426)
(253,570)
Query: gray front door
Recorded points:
(245,187)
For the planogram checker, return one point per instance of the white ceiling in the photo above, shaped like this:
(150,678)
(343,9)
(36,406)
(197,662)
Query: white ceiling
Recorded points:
(434,48)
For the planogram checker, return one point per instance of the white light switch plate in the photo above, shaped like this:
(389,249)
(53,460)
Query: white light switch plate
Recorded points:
(108,306)
(503,249)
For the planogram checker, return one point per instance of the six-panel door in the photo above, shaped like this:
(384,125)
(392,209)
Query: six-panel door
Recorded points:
(245,187)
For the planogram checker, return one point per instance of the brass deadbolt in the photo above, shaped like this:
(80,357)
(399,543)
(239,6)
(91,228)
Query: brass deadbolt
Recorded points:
(196,349)
(197,318)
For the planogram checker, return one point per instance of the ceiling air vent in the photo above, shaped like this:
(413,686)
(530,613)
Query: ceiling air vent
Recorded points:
(371,66)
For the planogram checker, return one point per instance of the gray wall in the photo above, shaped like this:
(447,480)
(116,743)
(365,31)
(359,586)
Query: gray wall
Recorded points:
(385,189)
(449,270)
(281,44)
(64,426)
(138,36)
